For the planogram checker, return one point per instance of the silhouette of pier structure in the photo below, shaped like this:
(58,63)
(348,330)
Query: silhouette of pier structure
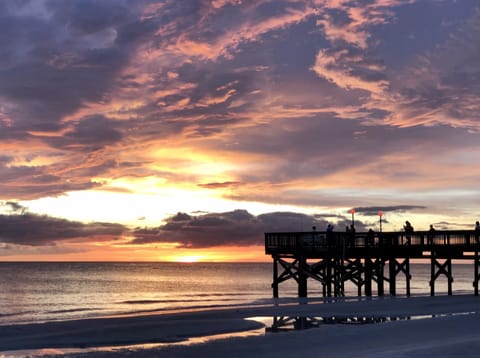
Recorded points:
(367,259)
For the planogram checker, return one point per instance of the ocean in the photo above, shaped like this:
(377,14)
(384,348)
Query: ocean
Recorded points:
(49,291)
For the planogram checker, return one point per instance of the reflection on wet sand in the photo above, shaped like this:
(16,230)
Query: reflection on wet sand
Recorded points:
(289,323)
(286,323)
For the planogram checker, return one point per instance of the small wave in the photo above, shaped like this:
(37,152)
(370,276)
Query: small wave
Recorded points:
(185,308)
(220,294)
(143,302)
(73,310)
(15,314)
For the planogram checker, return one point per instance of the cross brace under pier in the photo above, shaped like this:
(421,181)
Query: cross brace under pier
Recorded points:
(333,273)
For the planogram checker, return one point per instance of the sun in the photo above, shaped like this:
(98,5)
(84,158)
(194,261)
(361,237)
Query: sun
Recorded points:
(189,258)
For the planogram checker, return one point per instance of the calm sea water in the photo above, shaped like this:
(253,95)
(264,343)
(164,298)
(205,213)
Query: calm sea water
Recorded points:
(35,292)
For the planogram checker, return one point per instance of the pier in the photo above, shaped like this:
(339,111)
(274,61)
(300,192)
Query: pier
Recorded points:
(367,259)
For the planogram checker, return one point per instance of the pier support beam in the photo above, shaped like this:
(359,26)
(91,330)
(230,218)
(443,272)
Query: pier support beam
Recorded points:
(353,272)
(275,277)
(328,277)
(300,270)
(392,276)
(290,270)
(302,277)
(476,278)
(368,276)
(395,267)
(333,277)
(444,268)
(379,274)
(339,278)
(330,273)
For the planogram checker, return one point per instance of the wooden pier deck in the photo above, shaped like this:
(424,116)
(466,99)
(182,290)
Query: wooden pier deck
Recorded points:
(367,258)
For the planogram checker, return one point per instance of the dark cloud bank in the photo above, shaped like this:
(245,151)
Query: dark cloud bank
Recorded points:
(19,227)
(241,228)
(35,230)
(234,228)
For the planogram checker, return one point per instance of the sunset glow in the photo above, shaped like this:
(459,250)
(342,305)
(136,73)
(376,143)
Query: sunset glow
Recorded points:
(182,131)
(191,258)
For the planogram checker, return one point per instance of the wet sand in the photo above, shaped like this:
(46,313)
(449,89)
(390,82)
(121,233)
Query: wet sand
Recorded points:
(427,326)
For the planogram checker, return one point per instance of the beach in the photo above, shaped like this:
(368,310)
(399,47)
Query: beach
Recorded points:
(442,326)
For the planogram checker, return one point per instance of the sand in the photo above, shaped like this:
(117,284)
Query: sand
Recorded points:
(443,326)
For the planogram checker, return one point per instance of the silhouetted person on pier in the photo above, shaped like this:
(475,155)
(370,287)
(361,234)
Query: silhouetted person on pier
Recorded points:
(408,231)
(330,241)
(477,232)
(408,227)
(351,238)
(370,238)
(431,234)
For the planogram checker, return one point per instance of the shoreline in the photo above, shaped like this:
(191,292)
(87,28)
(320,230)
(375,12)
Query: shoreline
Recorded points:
(138,335)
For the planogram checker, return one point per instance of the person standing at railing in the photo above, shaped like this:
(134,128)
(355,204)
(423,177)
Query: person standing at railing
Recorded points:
(370,238)
(408,231)
(347,236)
(329,231)
(351,237)
(431,234)
(329,228)
(477,232)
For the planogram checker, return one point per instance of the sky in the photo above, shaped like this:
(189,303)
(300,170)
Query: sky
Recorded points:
(183,130)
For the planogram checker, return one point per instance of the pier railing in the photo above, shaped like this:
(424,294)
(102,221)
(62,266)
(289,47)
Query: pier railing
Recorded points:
(455,243)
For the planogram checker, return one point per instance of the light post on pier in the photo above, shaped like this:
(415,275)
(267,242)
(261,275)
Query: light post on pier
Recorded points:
(352,211)
(380,214)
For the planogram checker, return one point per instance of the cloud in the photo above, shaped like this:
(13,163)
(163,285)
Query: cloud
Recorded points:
(374,210)
(351,62)
(38,250)
(90,133)
(441,87)
(224,36)
(234,228)
(434,86)
(62,60)
(351,71)
(219,185)
(221,3)
(23,178)
(237,228)
(37,230)
(14,207)
(446,225)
